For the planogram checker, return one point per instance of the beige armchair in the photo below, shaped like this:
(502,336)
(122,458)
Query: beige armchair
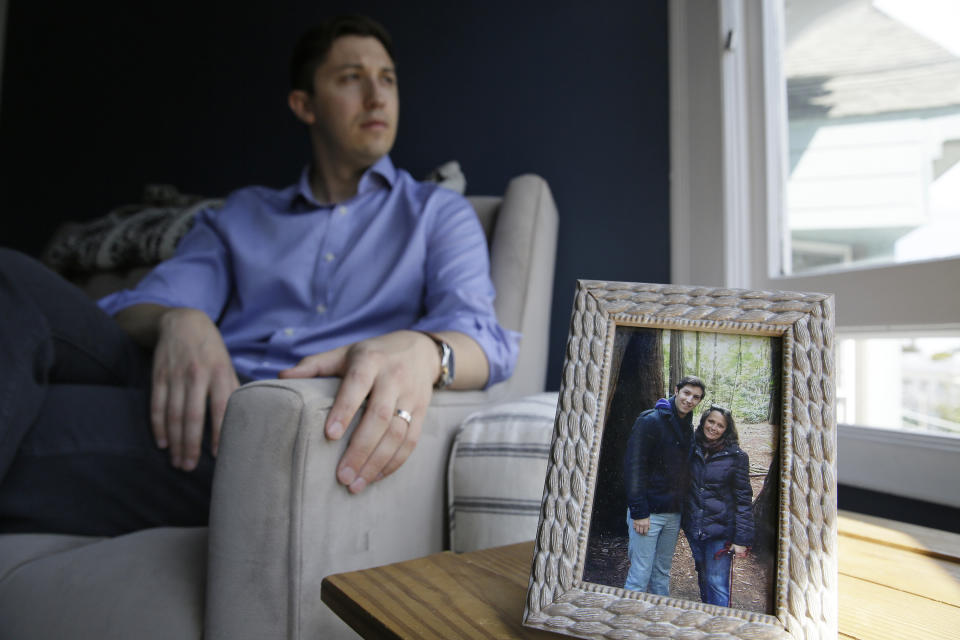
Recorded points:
(279,521)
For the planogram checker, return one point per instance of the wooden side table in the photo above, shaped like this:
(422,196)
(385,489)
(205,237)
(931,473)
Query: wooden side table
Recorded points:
(896,581)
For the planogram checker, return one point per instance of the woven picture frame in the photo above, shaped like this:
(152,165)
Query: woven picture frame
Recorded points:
(804,602)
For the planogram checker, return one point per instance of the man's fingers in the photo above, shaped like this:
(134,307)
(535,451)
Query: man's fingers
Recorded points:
(193,418)
(174,420)
(221,388)
(405,449)
(377,422)
(391,445)
(329,363)
(190,365)
(357,383)
(397,443)
(641,526)
(158,413)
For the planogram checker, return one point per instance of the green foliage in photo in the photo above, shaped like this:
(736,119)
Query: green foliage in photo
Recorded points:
(737,369)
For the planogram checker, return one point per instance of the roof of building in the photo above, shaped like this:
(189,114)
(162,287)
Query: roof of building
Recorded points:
(858,61)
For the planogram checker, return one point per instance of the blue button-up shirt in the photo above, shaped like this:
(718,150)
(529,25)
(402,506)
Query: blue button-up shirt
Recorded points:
(284,276)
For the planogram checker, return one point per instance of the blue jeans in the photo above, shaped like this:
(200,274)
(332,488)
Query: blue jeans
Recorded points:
(713,570)
(651,556)
(77,454)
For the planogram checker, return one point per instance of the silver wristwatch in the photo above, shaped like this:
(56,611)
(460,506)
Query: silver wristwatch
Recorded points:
(446,362)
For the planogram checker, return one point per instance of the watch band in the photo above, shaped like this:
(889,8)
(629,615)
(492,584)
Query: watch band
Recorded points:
(446,361)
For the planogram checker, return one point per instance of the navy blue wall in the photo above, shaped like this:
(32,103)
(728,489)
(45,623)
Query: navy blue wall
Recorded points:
(100,98)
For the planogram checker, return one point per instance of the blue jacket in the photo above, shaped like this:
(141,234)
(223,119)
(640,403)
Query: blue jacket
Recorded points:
(719,498)
(656,462)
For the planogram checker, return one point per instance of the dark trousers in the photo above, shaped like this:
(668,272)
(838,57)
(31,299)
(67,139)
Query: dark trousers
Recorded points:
(77,454)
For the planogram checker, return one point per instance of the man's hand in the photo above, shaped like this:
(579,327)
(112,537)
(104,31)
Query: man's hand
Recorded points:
(393,371)
(190,365)
(641,526)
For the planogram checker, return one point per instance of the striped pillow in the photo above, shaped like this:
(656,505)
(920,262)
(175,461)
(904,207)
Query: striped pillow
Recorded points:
(497,471)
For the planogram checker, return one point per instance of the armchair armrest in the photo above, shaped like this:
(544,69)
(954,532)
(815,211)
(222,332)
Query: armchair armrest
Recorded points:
(522,257)
(280,522)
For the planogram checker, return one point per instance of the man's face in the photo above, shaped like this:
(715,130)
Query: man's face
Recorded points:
(688,397)
(354,106)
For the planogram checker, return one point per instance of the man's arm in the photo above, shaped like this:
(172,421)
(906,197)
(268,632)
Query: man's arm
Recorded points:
(635,471)
(169,311)
(190,365)
(393,371)
(397,371)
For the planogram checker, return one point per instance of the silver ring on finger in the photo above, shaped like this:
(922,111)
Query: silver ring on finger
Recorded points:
(404,415)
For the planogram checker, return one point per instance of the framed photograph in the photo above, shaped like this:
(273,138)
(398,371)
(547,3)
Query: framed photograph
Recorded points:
(691,489)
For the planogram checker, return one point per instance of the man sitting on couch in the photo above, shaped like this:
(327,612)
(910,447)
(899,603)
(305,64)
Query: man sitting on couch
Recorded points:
(356,271)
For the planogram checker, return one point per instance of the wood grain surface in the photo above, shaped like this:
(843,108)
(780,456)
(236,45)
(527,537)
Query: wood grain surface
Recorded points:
(896,581)
(440,597)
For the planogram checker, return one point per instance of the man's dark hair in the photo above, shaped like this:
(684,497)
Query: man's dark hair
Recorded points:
(730,436)
(692,381)
(312,47)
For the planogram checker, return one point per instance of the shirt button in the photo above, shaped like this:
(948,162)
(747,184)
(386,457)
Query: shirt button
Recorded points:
(321,308)
(329,257)
(342,210)
(289,332)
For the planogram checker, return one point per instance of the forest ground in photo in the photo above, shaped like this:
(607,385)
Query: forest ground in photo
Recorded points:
(754,578)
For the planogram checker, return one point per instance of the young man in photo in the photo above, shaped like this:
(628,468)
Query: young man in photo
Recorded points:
(656,471)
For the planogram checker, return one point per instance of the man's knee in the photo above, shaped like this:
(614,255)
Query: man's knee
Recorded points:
(13,261)
(21,275)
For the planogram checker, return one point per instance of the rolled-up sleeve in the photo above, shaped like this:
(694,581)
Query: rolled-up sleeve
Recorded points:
(459,293)
(197,276)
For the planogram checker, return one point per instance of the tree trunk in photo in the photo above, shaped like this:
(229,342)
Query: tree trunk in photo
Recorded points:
(776,377)
(676,360)
(696,364)
(620,339)
(765,521)
(650,383)
(712,383)
(736,375)
(640,384)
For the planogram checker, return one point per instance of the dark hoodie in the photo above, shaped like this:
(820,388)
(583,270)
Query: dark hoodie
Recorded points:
(656,465)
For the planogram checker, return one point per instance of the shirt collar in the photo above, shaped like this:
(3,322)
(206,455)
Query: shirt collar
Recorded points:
(381,174)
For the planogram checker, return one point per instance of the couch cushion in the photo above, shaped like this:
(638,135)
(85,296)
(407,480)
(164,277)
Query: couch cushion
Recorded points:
(497,470)
(148,584)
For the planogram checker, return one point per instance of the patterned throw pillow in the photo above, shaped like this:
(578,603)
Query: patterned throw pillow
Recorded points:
(129,236)
(142,235)
(497,472)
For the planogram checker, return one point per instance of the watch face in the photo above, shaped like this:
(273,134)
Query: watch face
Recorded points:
(446,365)
(450,369)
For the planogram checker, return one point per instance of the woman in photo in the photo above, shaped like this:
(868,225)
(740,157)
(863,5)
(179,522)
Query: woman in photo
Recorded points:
(717,518)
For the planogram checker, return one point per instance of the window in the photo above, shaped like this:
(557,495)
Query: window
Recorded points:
(873,104)
(909,382)
(732,222)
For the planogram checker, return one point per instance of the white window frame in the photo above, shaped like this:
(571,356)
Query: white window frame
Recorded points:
(728,170)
